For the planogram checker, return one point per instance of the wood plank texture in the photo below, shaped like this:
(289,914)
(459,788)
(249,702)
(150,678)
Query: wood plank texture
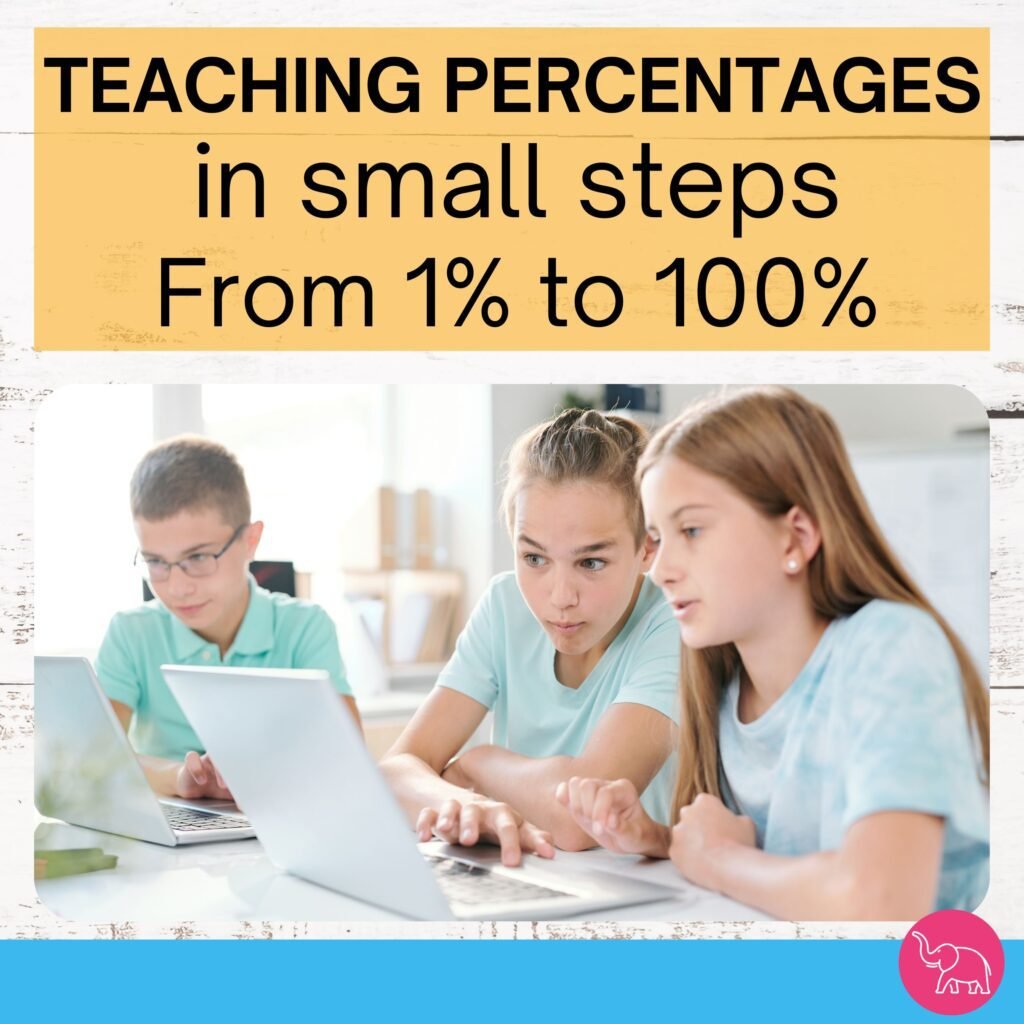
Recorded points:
(26,377)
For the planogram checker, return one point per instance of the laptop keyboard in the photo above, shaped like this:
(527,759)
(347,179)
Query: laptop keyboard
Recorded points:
(469,883)
(186,819)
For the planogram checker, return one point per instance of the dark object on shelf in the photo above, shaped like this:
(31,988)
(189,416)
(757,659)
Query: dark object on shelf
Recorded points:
(635,397)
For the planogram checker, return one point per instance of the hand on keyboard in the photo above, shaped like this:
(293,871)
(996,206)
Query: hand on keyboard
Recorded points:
(488,821)
(198,777)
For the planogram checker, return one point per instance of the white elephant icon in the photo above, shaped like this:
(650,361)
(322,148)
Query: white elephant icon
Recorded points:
(958,965)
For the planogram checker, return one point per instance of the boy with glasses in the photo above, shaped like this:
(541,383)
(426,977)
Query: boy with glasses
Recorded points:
(191,509)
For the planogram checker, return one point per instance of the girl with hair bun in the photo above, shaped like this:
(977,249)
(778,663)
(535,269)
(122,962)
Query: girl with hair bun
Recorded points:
(833,748)
(575,652)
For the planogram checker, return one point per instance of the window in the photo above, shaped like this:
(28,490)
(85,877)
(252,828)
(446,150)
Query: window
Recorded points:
(88,440)
(311,455)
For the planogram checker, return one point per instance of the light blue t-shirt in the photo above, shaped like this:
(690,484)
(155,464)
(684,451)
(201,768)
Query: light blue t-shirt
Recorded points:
(277,632)
(505,660)
(875,721)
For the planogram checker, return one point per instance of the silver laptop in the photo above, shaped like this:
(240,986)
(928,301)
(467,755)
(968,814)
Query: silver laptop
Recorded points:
(87,773)
(295,761)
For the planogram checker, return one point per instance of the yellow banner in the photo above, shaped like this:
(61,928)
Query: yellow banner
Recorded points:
(511,189)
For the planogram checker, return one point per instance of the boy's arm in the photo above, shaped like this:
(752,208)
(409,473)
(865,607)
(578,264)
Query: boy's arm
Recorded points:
(886,869)
(350,703)
(319,649)
(631,741)
(413,767)
(192,779)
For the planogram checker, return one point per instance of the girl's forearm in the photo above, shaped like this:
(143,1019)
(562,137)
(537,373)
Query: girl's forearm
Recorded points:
(820,886)
(161,774)
(417,785)
(528,784)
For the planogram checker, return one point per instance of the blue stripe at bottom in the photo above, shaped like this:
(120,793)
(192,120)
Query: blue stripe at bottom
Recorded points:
(558,981)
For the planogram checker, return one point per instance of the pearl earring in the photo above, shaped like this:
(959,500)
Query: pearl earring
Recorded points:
(792,565)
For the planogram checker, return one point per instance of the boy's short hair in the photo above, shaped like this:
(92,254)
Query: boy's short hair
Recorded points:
(189,473)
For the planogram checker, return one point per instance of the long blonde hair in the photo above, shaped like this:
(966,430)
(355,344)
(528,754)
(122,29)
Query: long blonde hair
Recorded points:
(779,450)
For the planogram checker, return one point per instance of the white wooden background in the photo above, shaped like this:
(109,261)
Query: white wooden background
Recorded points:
(996,378)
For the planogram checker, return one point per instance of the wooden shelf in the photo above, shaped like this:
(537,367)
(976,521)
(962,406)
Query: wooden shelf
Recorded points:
(420,614)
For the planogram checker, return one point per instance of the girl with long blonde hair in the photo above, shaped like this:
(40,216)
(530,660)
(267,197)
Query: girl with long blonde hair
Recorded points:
(833,747)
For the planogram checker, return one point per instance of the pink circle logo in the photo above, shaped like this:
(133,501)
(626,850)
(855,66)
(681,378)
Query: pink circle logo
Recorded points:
(951,962)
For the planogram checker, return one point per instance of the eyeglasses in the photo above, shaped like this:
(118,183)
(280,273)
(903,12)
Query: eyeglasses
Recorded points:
(202,563)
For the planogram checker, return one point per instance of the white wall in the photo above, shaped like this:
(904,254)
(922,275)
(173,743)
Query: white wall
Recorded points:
(443,442)
(87,441)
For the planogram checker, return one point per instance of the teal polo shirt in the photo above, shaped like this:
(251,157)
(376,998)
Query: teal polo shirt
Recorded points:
(277,632)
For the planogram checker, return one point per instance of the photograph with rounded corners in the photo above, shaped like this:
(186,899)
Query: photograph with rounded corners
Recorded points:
(391,653)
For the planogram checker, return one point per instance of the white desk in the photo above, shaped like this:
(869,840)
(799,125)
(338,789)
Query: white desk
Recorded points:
(234,881)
